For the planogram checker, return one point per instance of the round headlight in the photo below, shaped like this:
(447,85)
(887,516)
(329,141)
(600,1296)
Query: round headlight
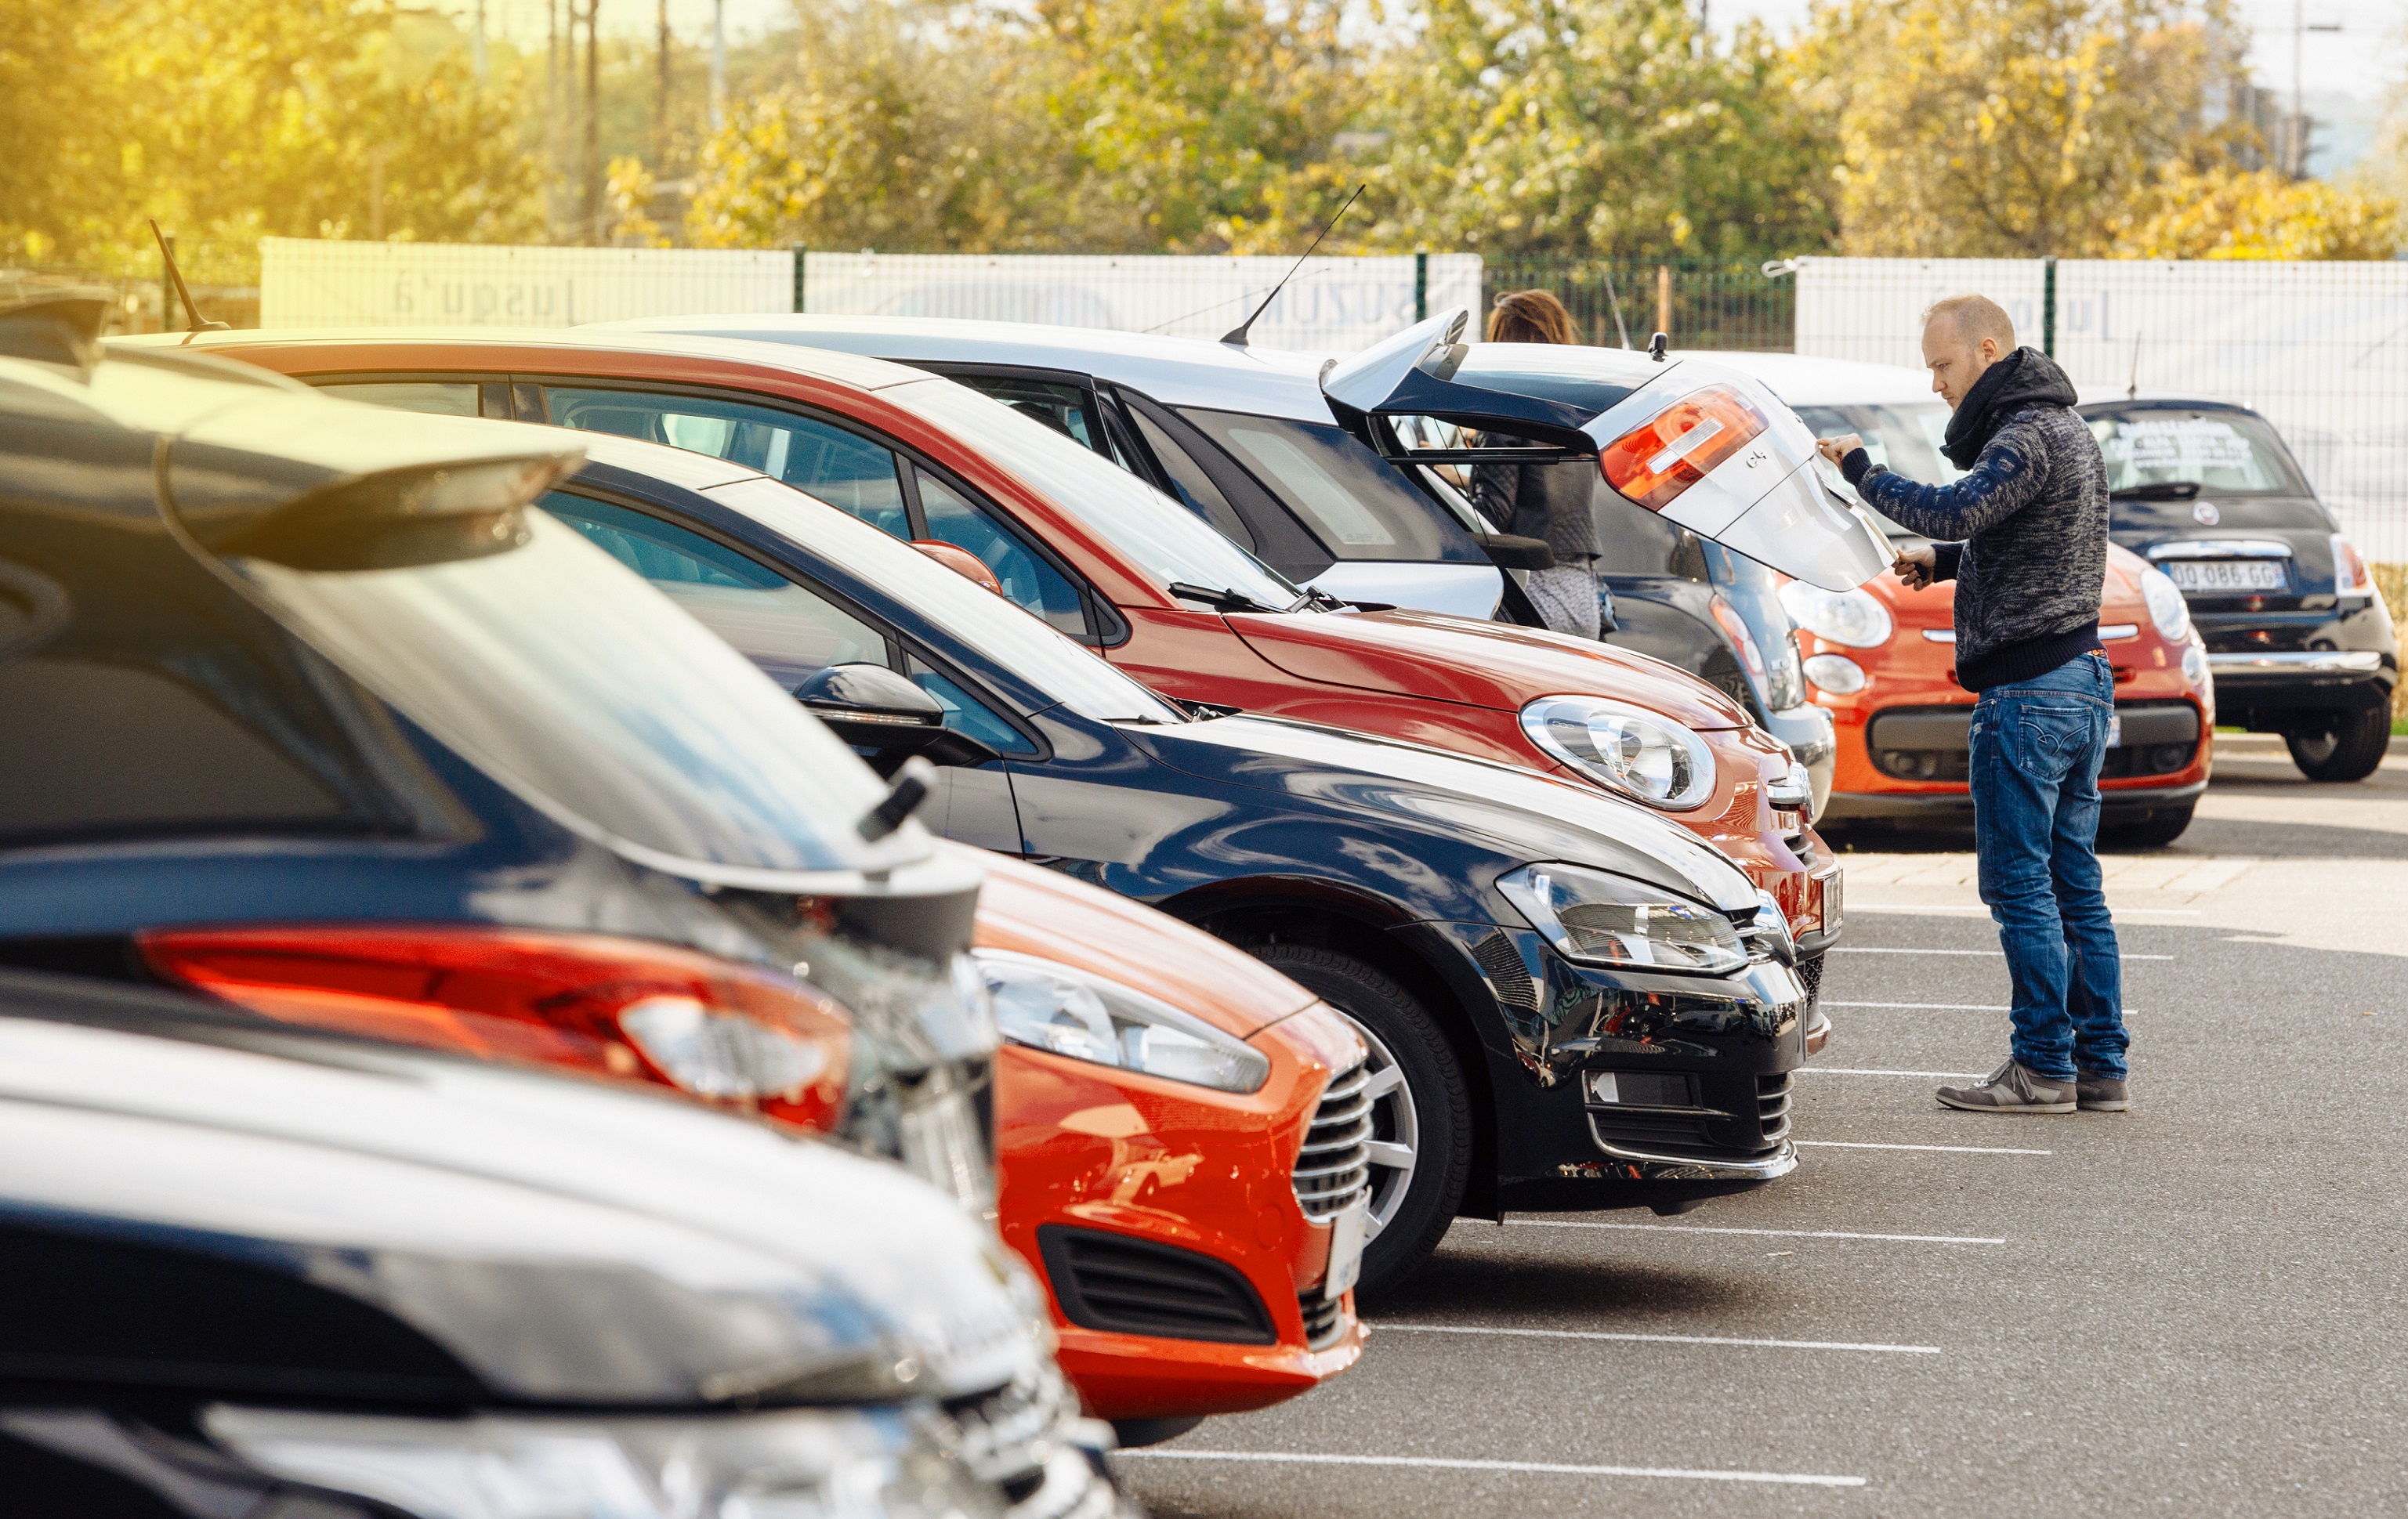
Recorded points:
(1836,674)
(2167,608)
(1855,617)
(1635,752)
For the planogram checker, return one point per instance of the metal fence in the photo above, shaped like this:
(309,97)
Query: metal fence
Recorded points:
(1617,303)
(2320,348)
(223,279)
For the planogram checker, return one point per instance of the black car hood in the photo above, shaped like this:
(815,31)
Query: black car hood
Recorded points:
(241,1210)
(1521,814)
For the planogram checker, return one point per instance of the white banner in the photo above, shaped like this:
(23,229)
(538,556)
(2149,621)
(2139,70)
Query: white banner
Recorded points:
(306,282)
(1332,304)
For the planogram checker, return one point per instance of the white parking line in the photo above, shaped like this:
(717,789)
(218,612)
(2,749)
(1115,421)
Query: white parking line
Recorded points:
(1857,1070)
(1951,1149)
(1934,907)
(1994,955)
(1385,1325)
(1790,1479)
(1781,1234)
(1940,1007)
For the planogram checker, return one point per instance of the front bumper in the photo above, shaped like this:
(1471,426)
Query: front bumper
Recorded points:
(1623,1090)
(1955,809)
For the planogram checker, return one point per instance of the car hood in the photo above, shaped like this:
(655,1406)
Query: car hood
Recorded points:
(487,1233)
(1520,813)
(1033,910)
(1492,665)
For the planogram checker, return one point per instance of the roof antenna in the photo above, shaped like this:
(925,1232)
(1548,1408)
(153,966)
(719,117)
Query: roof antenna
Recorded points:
(1237,334)
(193,323)
(2133,391)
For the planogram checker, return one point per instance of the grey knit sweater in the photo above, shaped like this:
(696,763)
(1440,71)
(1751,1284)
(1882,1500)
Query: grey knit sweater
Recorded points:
(2034,517)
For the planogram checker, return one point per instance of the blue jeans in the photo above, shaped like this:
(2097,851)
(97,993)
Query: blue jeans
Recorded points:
(2037,749)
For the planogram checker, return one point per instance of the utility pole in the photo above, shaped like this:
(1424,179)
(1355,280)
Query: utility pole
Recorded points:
(2295,138)
(552,147)
(477,44)
(592,122)
(718,64)
(660,106)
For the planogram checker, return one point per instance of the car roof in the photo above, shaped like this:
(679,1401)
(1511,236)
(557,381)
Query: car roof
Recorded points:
(1176,371)
(841,368)
(2160,403)
(1800,380)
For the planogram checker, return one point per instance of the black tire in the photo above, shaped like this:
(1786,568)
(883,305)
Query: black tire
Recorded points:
(2156,832)
(1397,1027)
(2343,746)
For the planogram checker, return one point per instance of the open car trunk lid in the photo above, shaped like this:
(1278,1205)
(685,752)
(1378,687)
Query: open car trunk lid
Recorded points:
(1765,500)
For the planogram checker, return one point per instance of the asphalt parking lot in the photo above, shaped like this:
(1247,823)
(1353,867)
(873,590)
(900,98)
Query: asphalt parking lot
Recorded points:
(2193,1308)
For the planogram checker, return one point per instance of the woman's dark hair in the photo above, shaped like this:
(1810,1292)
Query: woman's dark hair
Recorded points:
(1529,316)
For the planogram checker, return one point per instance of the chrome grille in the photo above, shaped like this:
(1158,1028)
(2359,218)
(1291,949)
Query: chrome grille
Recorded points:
(1335,1164)
(1772,1106)
(1028,1440)
(1323,1321)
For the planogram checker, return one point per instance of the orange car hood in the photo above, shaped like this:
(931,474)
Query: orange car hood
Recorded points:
(1493,665)
(1935,605)
(1034,911)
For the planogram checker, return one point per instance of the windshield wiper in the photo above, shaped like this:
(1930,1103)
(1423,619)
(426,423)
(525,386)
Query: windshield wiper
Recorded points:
(1224,600)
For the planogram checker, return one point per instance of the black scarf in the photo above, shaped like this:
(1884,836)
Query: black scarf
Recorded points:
(2024,378)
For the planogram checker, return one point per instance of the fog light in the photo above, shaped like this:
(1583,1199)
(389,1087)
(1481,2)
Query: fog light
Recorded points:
(1836,674)
(1639,1089)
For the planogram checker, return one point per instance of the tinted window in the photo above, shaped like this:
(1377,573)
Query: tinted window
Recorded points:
(442,397)
(1355,501)
(790,632)
(2223,452)
(1062,408)
(1595,379)
(842,469)
(1632,541)
(1194,487)
(1029,582)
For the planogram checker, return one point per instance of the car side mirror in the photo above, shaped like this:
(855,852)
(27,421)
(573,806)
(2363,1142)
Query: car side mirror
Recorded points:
(875,710)
(1507,550)
(963,562)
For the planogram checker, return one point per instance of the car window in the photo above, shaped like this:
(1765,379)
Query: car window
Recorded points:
(790,632)
(1194,486)
(1905,439)
(1029,583)
(2223,452)
(1355,501)
(1141,522)
(1028,647)
(965,713)
(441,397)
(1062,408)
(842,469)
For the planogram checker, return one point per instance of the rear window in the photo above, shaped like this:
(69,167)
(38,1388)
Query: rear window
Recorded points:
(2223,452)
(1593,378)
(1351,499)
(559,672)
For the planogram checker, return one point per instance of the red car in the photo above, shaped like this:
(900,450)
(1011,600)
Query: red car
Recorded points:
(1080,542)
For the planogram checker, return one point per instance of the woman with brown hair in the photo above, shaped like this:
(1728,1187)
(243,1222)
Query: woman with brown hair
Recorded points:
(1545,501)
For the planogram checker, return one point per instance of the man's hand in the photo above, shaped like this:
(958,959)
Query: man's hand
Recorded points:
(1837,449)
(1915,566)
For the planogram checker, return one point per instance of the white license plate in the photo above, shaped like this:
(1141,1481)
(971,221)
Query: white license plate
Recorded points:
(1346,1233)
(2212,574)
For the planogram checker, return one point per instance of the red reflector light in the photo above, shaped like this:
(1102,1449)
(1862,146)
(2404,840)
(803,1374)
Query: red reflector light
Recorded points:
(1655,462)
(732,1033)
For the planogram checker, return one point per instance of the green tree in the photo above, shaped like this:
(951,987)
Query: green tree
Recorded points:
(1978,128)
(2227,214)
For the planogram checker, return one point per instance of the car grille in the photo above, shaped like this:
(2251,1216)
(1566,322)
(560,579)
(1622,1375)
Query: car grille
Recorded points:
(1015,1437)
(1809,976)
(1335,1164)
(1323,1321)
(1772,1107)
(1696,1118)
(1126,1286)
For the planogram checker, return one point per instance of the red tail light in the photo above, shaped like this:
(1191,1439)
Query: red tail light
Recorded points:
(1655,462)
(621,1007)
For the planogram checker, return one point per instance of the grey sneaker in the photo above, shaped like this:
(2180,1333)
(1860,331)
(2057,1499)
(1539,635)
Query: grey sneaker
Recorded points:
(2012,1088)
(2101,1094)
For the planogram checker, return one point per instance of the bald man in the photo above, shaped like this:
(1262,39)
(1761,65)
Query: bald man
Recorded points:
(2024,535)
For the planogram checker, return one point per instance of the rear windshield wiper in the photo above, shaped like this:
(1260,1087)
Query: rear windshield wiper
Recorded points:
(2158,490)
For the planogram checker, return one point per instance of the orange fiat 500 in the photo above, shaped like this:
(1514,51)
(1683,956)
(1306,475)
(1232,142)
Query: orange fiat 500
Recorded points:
(1195,1205)
(1883,658)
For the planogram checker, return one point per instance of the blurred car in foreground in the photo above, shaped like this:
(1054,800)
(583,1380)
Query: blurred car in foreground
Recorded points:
(306,711)
(1881,658)
(1108,561)
(1569,1001)
(2298,635)
(258,1271)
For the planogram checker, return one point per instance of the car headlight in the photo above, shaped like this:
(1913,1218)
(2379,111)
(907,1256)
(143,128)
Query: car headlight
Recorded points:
(2167,608)
(1836,674)
(1855,617)
(1643,755)
(1046,1005)
(826,1463)
(1607,920)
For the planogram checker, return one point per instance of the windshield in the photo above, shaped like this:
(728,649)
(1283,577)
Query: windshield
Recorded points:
(1357,506)
(1134,517)
(2222,453)
(1066,671)
(1905,439)
(557,670)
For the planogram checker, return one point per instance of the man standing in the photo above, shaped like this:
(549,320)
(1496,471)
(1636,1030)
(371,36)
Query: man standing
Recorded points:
(2031,516)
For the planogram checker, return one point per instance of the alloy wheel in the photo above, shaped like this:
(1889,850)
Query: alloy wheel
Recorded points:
(1395,1130)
